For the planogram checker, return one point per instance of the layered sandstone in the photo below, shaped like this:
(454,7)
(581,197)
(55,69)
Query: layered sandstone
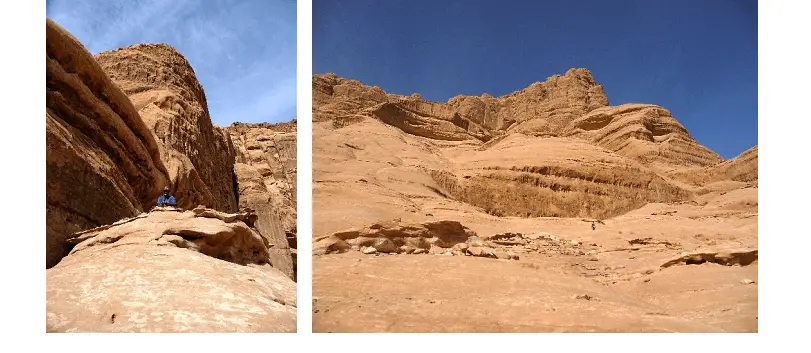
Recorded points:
(644,132)
(338,98)
(113,144)
(557,101)
(170,271)
(527,176)
(271,149)
(742,169)
(266,175)
(162,86)
(103,162)
(614,215)
(553,149)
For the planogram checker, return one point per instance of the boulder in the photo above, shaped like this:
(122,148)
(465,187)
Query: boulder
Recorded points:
(384,245)
(329,245)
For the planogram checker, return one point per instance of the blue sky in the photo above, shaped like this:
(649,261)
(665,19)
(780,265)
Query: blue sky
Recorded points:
(243,52)
(696,58)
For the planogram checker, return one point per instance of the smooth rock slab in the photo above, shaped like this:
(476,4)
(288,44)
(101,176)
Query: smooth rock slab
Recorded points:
(149,288)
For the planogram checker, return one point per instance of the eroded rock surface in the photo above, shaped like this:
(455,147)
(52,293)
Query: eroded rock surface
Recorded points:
(162,86)
(170,271)
(102,161)
(266,174)
(573,206)
(254,195)
(391,236)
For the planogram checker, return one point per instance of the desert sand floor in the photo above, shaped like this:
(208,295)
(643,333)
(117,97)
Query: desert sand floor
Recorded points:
(597,281)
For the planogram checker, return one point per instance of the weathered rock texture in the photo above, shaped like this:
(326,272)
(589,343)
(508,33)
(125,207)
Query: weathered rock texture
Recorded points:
(271,149)
(170,271)
(570,178)
(743,168)
(254,195)
(577,206)
(556,101)
(112,145)
(128,122)
(553,149)
(103,162)
(164,89)
(644,132)
(266,175)
(395,236)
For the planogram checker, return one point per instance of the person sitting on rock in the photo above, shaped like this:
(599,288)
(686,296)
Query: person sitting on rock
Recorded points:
(165,199)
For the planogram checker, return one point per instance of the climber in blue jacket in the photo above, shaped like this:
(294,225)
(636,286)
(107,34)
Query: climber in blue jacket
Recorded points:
(165,199)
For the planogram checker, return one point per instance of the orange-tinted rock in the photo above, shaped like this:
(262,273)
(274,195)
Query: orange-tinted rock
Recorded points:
(163,87)
(103,163)
(266,175)
(170,271)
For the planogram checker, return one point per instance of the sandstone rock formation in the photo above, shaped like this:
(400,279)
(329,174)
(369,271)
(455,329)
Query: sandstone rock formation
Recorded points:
(598,161)
(394,237)
(103,162)
(266,174)
(271,149)
(644,132)
(162,86)
(743,169)
(170,271)
(557,101)
(254,195)
(587,202)
(112,145)
(128,122)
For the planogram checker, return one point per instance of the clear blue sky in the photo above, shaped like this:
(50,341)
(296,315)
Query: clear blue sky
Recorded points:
(697,58)
(243,52)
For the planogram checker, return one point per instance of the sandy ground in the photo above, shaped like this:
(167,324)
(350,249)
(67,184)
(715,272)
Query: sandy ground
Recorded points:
(621,287)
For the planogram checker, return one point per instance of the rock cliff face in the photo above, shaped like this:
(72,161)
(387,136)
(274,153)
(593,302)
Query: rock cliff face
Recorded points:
(611,212)
(125,124)
(644,132)
(271,149)
(103,162)
(554,149)
(557,101)
(543,107)
(112,145)
(266,175)
(526,176)
(164,89)
(742,169)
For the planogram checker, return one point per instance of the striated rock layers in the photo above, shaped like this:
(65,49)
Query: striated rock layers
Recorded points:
(555,148)
(743,168)
(162,86)
(570,105)
(534,177)
(557,101)
(113,144)
(103,162)
(170,271)
(266,175)
(271,150)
